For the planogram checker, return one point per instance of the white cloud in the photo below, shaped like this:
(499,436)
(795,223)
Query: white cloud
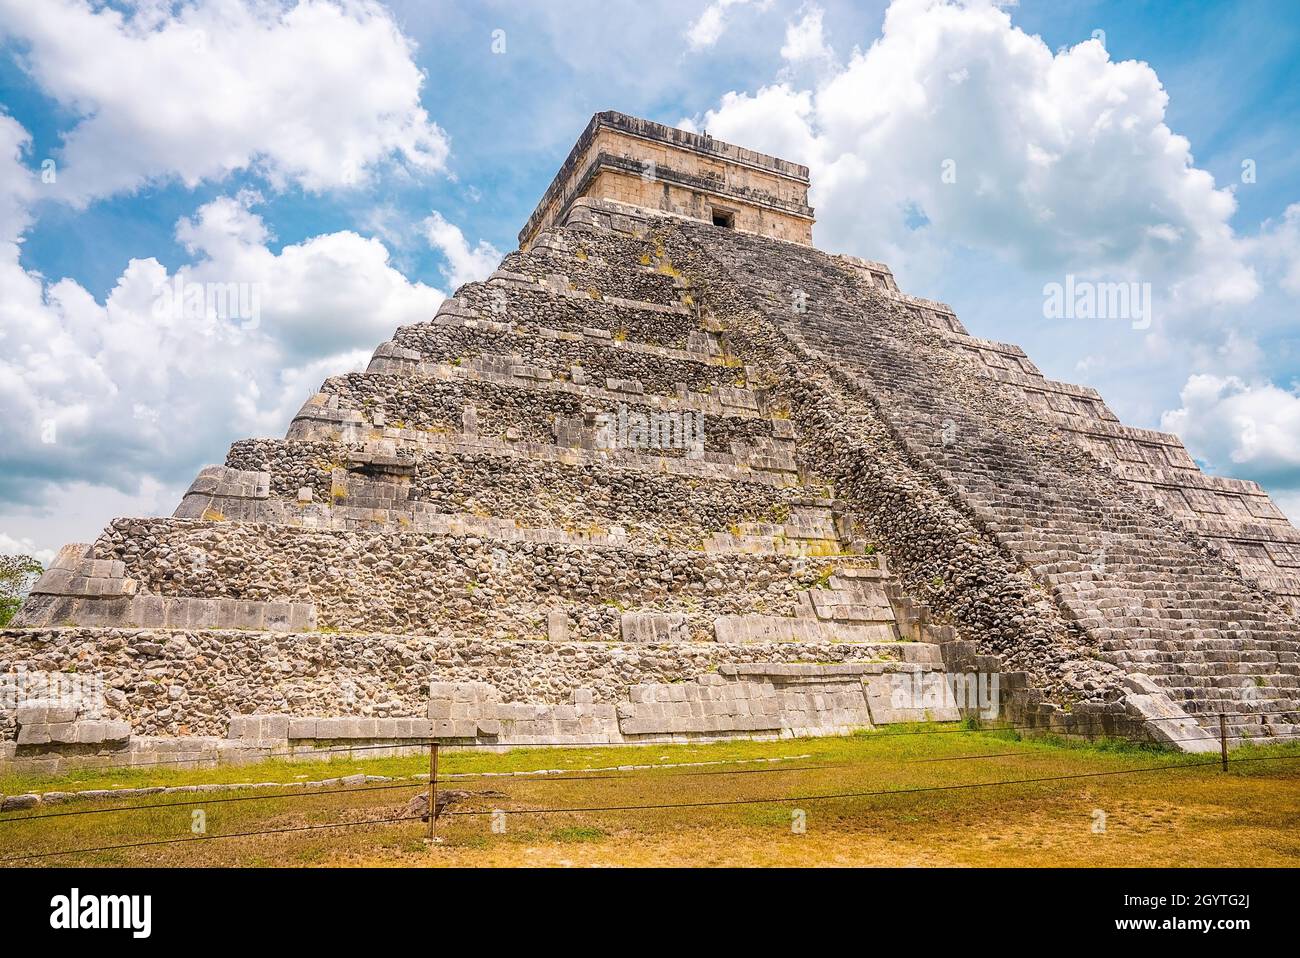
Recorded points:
(132,390)
(1062,161)
(318,92)
(25,547)
(111,401)
(782,114)
(1244,428)
(80,510)
(17,185)
(709,27)
(805,40)
(464,265)
(1278,247)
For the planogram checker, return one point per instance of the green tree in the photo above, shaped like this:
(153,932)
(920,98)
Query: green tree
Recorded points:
(18,573)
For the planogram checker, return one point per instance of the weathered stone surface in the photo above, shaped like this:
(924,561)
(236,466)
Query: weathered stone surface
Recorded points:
(470,540)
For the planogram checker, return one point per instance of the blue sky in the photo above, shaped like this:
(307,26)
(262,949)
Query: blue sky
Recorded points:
(355,161)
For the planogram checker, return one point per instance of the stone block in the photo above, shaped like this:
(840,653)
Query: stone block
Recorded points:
(327,728)
(71,556)
(227,613)
(277,616)
(63,733)
(32,715)
(557,625)
(99,731)
(302,617)
(464,729)
(204,613)
(250,615)
(654,627)
(34,735)
(149,611)
(176,613)
(54,582)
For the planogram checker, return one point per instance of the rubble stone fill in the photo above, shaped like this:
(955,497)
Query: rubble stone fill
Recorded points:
(501,532)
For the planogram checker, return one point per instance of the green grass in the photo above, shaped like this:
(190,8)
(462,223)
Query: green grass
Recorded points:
(578,833)
(907,741)
(917,796)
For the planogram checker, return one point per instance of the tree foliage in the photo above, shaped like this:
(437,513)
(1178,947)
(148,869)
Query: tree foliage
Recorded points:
(18,573)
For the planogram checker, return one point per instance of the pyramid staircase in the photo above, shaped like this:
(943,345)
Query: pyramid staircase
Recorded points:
(1143,589)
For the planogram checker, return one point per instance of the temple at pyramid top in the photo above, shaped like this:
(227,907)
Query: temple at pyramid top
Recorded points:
(652,166)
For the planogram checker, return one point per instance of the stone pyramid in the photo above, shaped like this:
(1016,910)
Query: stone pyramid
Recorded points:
(671,473)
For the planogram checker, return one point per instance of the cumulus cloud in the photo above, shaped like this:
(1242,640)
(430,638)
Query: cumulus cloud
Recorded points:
(317,92)
(464,265)
(805,40)
(1278,248)
(957,124)
(708,28)
(17,185)
(111,399)
(173,365)
(1250,429)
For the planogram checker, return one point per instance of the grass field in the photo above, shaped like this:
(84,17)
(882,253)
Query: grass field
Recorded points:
(1183,810)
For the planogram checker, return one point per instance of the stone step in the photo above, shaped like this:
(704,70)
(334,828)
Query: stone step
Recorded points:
(702,365)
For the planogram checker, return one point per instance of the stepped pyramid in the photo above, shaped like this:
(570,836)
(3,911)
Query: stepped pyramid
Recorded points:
(671,473)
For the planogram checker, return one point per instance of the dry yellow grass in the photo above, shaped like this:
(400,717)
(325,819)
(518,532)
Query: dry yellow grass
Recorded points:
(1182,813)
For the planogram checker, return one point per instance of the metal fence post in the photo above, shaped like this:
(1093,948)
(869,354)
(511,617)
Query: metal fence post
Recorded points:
(433,791)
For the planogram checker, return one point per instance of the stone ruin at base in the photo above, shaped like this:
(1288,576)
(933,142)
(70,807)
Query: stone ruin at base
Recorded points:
(872,505)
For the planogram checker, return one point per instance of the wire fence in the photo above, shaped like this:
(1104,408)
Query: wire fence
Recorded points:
(543,776)
(546,776)
(660,774)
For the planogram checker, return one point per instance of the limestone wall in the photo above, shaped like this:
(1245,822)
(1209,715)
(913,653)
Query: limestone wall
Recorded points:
(170,682)
(628,160)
